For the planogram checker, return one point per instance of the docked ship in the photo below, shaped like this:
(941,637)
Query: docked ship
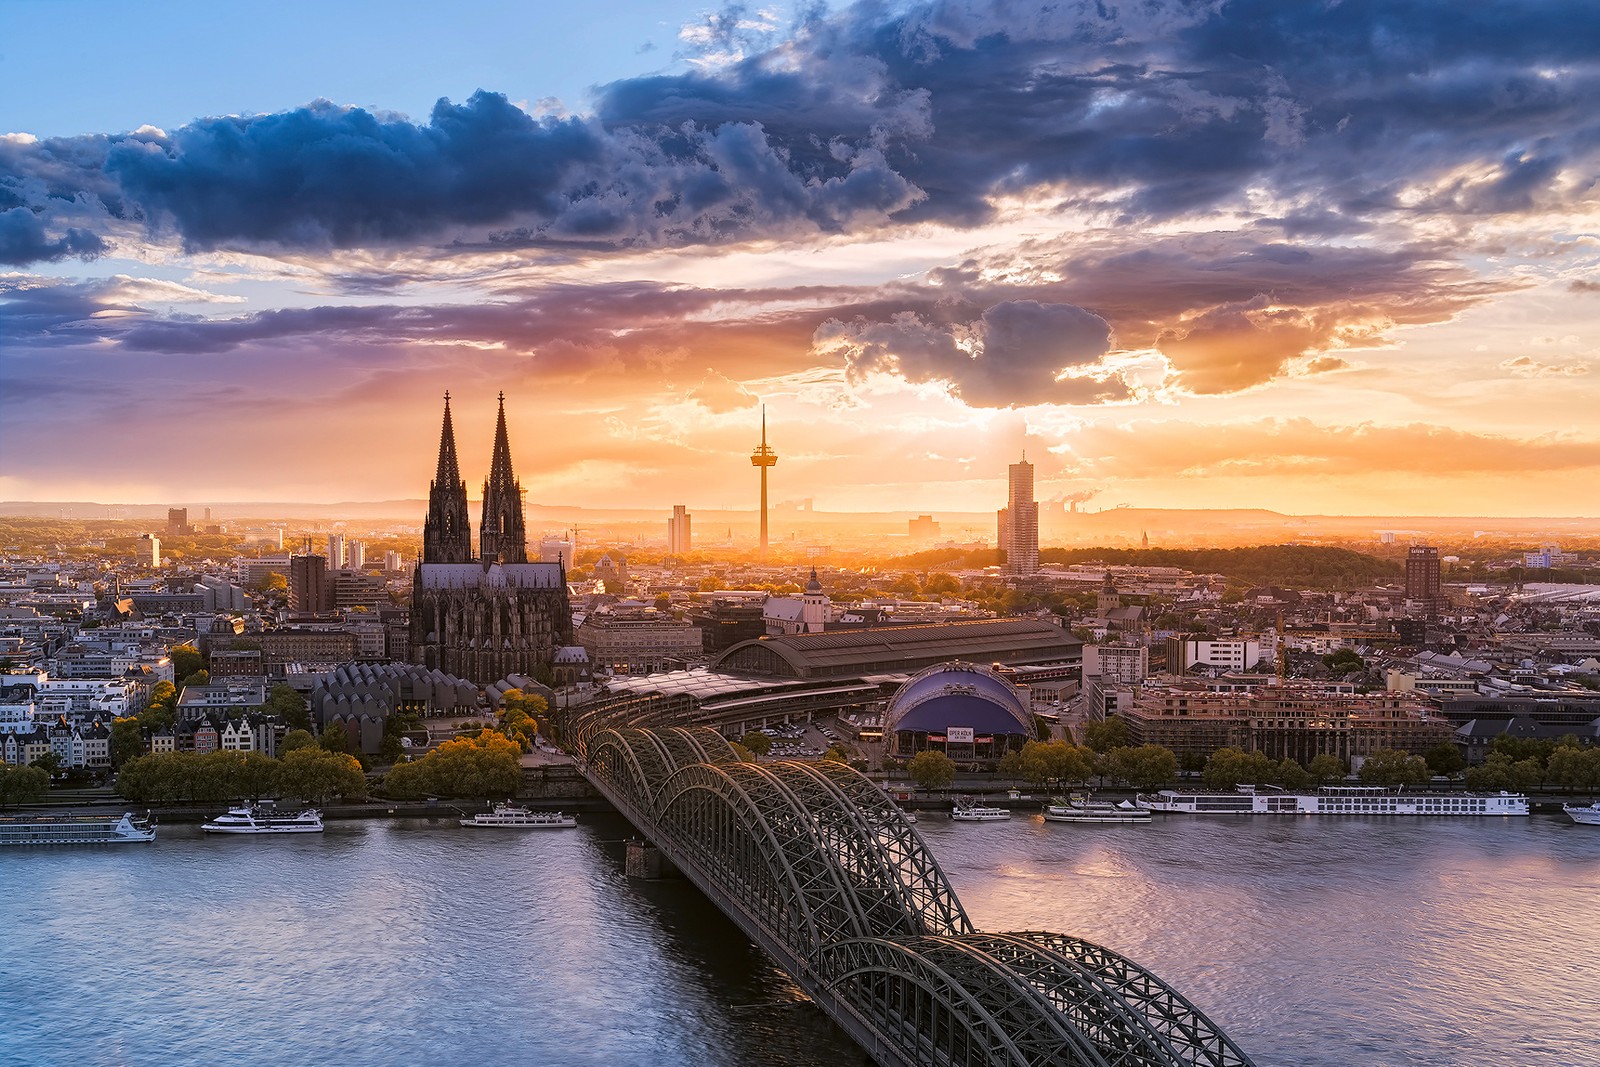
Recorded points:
(969,810)
(1588,815)
(1333,800)
(1083,809)
(75,829)
(509,816)
(265,818)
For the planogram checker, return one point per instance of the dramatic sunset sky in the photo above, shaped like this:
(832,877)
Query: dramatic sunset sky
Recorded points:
(1321,257)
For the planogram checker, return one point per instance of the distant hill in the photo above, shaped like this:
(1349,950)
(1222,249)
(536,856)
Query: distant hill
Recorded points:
(1299,566)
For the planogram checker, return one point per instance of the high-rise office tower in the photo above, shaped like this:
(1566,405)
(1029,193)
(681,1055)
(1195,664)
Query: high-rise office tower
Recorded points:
(1422,575)
(764,458)
(1018,524)
(335,551)
(308,584)
(150,550)
(678,539)
(355,555)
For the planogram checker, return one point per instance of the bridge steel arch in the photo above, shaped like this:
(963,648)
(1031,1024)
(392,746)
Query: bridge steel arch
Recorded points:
(827,875)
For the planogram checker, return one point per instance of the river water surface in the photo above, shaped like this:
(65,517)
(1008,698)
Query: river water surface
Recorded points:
(1316,942)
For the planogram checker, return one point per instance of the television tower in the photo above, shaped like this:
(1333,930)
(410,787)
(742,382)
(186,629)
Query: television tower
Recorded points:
(763,457)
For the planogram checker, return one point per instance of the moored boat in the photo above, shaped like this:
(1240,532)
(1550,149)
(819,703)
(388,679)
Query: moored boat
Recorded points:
(103,829)
(967,809)
(1588,815)
(1333,800)
(1083,809)
(509,816)
(265,818)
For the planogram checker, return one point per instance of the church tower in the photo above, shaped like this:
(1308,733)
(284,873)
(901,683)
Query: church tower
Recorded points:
(501,537)
(446,537)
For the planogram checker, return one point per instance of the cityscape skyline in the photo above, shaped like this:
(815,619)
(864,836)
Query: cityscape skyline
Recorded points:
(1185,258)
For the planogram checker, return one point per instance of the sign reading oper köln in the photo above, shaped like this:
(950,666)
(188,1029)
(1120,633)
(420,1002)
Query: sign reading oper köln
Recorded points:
(959,735)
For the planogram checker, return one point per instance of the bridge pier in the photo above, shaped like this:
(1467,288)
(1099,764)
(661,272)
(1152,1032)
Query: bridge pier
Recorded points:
(644,860)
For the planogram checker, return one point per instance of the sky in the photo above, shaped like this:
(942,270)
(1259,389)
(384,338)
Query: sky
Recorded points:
(1323,258)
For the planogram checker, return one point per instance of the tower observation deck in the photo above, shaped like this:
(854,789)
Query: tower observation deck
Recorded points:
(763,457)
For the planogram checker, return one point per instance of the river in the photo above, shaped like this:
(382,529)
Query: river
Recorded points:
(1313,942)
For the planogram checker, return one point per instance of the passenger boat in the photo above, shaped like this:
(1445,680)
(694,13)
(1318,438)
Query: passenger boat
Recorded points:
(1082,809)
(265,818)
(1589,814)
(968,810)
(1333,800)
(104,829)
(509,816)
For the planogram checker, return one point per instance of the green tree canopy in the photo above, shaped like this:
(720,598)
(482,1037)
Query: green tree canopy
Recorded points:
(318,776)
(488,765)
(1325,767)
(127,739)
(1229,768)
(22,785)
(1389,766)
(1145,767)
(294,739)
(931,769)
(186,659)
(757,742)
(1444,758)
(1106,735)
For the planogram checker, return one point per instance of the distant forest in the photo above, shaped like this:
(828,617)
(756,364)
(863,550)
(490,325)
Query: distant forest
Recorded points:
(1296,566)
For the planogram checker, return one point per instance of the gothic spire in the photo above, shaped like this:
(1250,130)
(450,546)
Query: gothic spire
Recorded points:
(446,537)
(501,536)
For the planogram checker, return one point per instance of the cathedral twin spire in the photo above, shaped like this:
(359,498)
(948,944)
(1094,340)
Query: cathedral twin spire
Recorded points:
(446,535)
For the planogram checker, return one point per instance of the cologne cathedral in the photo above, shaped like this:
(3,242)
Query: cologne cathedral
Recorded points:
(487,616)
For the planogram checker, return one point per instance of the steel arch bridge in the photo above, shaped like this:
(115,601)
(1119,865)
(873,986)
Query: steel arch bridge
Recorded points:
(825,873)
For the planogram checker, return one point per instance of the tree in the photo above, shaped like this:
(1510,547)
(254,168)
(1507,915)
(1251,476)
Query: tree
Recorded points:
(295,739)
(333,738)
(1292,776)
(1389,766)
(22,785)
(255,775)
(161,711)
(186,660)
(49,763)
(757,742)
(318,776)
(1326,767)
(127,739)
(1229,768)
(519,715)
(1574,768)
(742,754)
(931,769)
(1344,661)
(1107,735)
(286,702)
(200,677)
(1145,767)
(836,754)
(487,765)
(1444,758)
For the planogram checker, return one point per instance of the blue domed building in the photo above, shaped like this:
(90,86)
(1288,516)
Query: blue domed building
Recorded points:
(968,712)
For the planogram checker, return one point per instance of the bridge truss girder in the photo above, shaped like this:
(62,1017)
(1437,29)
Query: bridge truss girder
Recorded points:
(831,871)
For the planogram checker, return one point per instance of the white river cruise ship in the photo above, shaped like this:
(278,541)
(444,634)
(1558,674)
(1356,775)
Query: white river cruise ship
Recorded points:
(75,829)
(1333,800)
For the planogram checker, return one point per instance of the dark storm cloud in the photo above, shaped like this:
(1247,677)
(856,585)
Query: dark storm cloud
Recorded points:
(880,116)
(1010,356)
(24,239)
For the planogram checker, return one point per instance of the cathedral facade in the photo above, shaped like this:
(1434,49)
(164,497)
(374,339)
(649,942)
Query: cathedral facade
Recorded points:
(484,616)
